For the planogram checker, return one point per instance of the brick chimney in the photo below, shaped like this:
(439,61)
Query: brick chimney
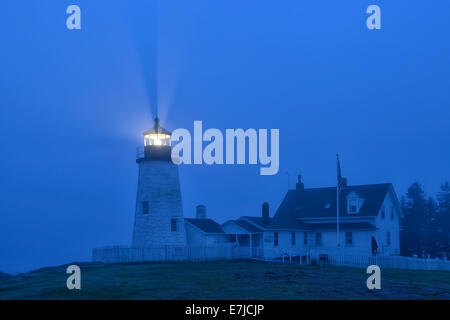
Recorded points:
(300,191)
(265,214)
(200,212)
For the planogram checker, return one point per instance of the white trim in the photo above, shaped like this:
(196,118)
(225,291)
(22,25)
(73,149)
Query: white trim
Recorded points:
(341,218)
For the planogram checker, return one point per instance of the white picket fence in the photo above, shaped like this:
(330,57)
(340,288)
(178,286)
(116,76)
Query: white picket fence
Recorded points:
(388,262)
(118,254)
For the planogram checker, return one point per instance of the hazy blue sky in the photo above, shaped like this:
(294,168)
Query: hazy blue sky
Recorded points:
(73,105)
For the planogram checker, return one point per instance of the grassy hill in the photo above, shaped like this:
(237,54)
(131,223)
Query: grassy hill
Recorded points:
(4,275)
(223,280)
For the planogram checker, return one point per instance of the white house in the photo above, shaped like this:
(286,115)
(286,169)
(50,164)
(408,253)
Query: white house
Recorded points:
(306,220)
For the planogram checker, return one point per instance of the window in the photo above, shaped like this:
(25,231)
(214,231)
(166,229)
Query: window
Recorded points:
(305,238)
(173,225)
(383,213)
(318,238)
(293,239)
(275,239)
(353,206)
(145,207)
(354,203)
(388,238)
(392,213)
(328,206)
(348,238)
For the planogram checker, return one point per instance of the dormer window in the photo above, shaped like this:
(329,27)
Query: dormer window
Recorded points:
(354,203)
(353,206)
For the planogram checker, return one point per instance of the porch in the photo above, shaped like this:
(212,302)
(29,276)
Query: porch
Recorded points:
(244,246)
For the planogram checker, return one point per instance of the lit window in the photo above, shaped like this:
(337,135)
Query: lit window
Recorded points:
(293,239)
(145,207)
(348,238)
(275,239)
(173,225)
(328,206)
(154,139)
(318,238)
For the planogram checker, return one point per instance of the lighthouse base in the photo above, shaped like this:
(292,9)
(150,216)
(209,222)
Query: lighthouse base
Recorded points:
(159,212)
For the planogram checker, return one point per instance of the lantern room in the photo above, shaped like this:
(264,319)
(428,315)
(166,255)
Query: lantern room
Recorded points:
(157,136)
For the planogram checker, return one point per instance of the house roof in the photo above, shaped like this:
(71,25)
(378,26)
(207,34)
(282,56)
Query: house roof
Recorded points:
(205,225)
(321,203)
(245,225)
(258,221)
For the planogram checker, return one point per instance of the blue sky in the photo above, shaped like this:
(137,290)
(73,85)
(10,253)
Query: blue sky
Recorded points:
(73,105)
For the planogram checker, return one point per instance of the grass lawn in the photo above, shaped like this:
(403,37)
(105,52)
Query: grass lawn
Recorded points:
(223,280)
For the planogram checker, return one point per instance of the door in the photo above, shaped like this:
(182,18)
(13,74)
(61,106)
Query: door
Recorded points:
(374,246)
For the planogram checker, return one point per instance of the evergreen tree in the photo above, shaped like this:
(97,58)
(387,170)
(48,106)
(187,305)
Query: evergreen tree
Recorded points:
(430,235)
(443,221)
(414,224)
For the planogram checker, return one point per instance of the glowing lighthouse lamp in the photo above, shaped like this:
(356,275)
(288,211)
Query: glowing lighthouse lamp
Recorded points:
(157,144)
(157,136)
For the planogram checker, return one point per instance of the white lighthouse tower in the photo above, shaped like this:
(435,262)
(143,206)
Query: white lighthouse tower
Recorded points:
(159,213)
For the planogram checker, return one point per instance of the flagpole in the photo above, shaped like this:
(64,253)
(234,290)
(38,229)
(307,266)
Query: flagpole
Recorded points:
(337,200)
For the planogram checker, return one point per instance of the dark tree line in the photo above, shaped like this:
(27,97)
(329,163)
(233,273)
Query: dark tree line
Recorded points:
(425,228)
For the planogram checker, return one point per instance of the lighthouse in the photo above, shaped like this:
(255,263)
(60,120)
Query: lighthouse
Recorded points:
(158,217)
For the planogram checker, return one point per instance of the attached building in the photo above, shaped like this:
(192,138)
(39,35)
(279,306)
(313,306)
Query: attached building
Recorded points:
(369,221)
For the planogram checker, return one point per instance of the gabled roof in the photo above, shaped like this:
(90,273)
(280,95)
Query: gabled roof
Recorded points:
(245,225)
(321,203)
(258,221)
(205,225)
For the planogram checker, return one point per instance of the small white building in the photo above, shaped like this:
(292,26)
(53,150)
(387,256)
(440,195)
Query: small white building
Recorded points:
(204,232)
